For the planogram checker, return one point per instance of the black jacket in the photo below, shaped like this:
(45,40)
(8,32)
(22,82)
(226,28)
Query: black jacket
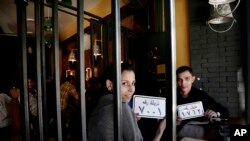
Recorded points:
(207,101)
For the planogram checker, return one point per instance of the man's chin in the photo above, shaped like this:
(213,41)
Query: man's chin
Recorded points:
(127,99)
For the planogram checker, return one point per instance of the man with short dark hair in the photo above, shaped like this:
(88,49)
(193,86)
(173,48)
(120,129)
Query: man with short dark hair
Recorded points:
(187,93)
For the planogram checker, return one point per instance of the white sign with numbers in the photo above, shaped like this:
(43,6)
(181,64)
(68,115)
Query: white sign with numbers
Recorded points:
(149,106)
(190,110)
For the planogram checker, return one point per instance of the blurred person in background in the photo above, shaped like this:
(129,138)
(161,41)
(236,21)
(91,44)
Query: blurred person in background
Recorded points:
(69,108)
(5,118)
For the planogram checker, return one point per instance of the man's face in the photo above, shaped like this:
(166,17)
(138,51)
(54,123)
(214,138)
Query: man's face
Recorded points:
(128,85)
(30,84)
(184,82)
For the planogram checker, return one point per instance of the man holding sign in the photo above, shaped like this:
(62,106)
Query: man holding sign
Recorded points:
(192,102)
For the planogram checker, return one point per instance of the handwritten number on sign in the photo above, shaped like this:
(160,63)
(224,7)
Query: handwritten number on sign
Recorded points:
(149,106)
(159,110)
(141,109)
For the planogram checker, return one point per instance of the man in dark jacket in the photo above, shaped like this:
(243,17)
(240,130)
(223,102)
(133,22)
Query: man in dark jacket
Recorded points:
(186,93)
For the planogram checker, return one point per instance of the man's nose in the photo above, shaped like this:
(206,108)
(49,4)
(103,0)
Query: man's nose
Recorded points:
(183,82)
(131,87)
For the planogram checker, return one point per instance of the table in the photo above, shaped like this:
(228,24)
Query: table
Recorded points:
(207,130)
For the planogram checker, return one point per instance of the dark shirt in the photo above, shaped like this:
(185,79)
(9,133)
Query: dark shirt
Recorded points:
(92,98)
(207,101)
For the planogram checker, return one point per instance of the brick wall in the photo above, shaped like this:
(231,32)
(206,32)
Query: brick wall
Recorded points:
(216,57)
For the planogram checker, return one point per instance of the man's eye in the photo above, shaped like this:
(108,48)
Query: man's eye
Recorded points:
(124,83)
(179,80)
(133,83)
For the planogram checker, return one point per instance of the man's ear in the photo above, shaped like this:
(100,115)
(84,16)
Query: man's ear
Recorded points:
(193,78)
(109,85)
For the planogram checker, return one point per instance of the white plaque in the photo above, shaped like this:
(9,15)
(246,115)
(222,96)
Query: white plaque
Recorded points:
(190,110)
(149,106)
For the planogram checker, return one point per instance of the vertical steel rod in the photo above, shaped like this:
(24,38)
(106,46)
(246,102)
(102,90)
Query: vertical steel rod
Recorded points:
(91,46)
(22,39)
(117,68)
(57,67)
(43,74)
(247,94)
(38,70)
(171,68)
(81,54)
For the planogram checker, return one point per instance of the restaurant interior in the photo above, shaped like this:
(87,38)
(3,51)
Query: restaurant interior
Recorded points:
(214,42)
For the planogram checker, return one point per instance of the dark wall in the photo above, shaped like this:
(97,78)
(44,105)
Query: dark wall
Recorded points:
(8,62)
(217,58)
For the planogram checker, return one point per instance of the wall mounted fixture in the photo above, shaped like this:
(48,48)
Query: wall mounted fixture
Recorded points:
(48,21)
(96,49)
(70,72)
(72,56)
(221,13)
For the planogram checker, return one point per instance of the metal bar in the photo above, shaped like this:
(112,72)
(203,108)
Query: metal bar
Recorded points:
(22,38)
(43,73)
(38,70)
(57,68)
(125,42)
(171,68)
(81,54)
(91,46)
(105,45)
(73,14)
(247,72)
(116,44)
(75,9)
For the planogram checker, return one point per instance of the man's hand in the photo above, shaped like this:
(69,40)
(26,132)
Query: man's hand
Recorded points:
(137,116)
(211,114)
(161,127)
(178,121)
